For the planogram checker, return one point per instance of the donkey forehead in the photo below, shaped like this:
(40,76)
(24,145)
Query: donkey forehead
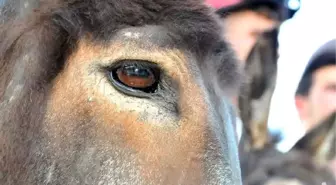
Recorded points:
(147,38)
(157,35)
(150,43)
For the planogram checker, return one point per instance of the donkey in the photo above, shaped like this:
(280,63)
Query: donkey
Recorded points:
(116,92)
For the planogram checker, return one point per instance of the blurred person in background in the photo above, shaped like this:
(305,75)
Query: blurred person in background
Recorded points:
(246,20)
(315,100)
(251,27)
(315,97)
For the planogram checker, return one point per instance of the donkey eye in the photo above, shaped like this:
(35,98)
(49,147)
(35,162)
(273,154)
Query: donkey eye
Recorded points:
(135,77)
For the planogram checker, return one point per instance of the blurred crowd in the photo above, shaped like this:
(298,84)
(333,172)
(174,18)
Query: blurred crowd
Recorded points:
(252,29)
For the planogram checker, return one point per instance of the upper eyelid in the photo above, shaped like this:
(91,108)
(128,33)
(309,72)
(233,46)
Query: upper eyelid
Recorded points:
(118,62)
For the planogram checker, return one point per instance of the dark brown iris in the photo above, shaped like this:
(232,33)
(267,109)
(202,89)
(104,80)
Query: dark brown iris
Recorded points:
(136,76)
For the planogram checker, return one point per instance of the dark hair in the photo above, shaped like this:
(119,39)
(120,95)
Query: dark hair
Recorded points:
(304,85)
(324,56)
(268,8)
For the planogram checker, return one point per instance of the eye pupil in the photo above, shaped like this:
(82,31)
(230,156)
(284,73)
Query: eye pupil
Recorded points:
(136,71)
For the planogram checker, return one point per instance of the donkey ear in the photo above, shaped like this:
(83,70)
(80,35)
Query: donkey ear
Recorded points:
(256,94)
(25,44)
(320,142)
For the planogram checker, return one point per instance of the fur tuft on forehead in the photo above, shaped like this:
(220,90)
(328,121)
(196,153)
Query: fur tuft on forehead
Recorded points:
(189,19)
(56,26)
